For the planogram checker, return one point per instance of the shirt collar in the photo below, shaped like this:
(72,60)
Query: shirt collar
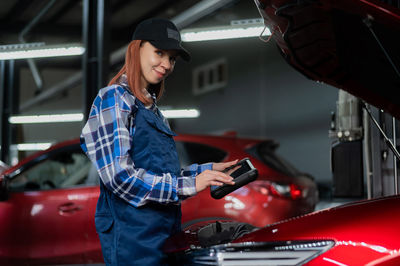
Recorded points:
(123,80)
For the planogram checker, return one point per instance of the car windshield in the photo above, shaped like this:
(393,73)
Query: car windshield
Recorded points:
(57,170)
(69,167)
(265,151)
(190,152)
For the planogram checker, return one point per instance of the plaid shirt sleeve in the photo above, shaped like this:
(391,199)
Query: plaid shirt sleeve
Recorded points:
(107,139)
(195,169)
(188,177)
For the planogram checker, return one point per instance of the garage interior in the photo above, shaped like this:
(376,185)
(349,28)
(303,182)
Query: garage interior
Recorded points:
(259,94)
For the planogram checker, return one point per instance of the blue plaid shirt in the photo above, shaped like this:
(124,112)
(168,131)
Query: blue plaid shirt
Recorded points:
(107,139)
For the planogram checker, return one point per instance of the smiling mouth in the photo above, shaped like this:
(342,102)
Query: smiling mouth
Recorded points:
(159,74)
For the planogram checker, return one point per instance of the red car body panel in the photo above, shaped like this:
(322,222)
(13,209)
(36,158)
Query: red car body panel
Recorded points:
(56,226)
(244,204)
(364,233)
(45,222)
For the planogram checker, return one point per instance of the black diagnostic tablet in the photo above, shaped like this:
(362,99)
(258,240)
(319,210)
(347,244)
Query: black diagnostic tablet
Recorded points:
(242,176)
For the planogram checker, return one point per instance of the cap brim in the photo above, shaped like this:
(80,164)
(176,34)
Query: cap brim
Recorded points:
(168,45)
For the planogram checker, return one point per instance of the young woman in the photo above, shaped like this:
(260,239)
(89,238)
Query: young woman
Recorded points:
(132,146)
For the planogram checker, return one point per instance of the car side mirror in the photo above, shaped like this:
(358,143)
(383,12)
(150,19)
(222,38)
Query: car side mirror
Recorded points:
(3,188)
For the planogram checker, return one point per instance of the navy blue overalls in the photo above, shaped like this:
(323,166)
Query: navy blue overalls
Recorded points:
(134,235)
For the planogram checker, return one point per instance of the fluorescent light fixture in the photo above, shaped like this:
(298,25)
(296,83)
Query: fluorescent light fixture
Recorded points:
(39,50)
(181,113)
(237,29)
(33,146)
(32,119)
(77,117)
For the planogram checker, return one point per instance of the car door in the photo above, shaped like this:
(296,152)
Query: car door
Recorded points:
(50,202)
(13,248)
(93,252)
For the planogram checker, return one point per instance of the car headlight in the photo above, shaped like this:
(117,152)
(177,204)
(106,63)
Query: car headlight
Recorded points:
(259,253)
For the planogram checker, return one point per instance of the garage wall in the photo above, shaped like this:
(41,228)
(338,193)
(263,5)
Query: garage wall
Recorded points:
(69,101)
(264,98)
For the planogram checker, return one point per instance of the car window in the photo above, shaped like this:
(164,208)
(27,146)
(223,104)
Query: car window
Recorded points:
(73,168)
(61,170)
(191,152)
(265,151)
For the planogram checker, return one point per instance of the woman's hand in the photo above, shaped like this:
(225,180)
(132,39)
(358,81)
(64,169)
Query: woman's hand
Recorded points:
(222,166)
(215,177)
(212,178)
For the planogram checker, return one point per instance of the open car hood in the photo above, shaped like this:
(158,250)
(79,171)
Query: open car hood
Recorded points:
(353,45)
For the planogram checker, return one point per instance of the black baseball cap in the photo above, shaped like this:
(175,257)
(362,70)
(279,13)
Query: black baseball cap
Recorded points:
(161,33)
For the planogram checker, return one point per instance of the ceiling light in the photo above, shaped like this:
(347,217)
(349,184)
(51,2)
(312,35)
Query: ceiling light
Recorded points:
(77,117)
(237,29)
(33,146)
(39,50)
(181,113)
(32,119)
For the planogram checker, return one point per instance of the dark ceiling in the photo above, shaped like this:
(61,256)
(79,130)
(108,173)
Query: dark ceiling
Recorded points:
(63,19)
(60,21)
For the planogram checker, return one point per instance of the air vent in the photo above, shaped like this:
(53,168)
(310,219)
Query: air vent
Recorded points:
(209,77)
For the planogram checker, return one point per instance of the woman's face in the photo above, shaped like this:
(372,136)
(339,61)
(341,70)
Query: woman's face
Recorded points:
(155,64)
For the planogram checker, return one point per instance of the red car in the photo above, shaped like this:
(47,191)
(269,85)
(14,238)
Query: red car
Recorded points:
(353,45)
(362,233)
(48,200)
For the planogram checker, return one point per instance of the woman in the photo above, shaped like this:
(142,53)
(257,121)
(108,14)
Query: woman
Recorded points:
(131,144)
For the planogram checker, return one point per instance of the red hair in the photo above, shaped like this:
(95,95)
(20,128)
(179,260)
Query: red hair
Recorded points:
(133,72)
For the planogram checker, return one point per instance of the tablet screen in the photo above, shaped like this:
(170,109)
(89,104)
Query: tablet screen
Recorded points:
(243,169)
